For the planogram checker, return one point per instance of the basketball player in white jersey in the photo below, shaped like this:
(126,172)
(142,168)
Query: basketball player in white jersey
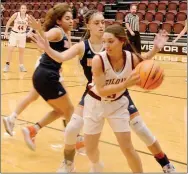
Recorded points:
(112,74)
(17,36)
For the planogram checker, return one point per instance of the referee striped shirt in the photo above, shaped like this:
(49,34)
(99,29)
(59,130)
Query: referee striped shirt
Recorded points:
(133,21)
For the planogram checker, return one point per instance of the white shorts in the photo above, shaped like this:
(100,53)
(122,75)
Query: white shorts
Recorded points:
(17,39)
(115,112)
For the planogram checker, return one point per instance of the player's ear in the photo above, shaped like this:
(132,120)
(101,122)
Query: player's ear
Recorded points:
(58,22)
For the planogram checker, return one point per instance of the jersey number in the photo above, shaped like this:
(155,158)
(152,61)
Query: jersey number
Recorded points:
(20,27)
(112,96)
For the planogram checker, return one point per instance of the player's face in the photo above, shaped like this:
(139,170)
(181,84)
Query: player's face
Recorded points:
(112,44)
(96,25)
(66,22)
(23,9)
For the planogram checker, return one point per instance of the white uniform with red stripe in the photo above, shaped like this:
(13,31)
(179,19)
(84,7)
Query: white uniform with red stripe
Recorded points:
(115,107)
(18,33)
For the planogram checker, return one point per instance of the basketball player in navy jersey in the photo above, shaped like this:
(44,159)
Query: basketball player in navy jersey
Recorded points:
(57,26)
(95,22)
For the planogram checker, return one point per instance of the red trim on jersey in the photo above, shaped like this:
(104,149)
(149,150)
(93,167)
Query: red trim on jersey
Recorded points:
(101,62)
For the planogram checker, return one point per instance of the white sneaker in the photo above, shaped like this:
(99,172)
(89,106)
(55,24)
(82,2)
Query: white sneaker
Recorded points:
(169,168)
(97,167)
(6,68)
(66,167)
(22,69)
(29,134)
(9,125)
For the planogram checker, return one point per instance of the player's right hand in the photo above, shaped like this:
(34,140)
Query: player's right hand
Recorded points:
(133,79)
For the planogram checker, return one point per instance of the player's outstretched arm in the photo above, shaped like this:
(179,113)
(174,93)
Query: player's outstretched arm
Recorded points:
(73,52)
(181,33)
(159,42)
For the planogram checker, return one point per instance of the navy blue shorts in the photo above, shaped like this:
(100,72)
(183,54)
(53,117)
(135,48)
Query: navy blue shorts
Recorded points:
(131,108)
(46,82)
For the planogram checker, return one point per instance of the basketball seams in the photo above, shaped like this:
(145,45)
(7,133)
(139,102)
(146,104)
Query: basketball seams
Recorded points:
(148,75)
(156,79)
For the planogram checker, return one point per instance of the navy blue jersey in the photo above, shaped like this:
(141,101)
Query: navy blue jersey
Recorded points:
(86,60)
(59,46)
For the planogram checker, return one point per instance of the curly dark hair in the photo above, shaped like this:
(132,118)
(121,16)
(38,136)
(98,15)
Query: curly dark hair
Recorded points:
(54,14)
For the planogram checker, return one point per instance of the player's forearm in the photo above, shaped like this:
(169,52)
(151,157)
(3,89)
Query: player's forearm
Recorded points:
(41,32)
(55,55)
(151,53)
(109,90)
(181,34)
(7,26)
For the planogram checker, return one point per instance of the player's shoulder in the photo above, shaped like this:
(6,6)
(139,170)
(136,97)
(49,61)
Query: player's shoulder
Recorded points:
(15,14)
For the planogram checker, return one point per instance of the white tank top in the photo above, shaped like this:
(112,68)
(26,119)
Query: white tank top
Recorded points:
(20,24)
(113,77)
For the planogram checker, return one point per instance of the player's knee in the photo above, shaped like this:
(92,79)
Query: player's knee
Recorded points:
(90,150)
(66,112)
(73,128)
(69,111)
(140,128)
(34,97)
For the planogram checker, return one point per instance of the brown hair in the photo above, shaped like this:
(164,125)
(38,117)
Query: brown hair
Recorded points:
(87,18)
(119,32)
(54,14)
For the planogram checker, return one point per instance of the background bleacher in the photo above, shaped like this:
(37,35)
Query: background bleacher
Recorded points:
(154,15)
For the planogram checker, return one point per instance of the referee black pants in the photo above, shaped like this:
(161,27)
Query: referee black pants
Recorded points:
(134,41)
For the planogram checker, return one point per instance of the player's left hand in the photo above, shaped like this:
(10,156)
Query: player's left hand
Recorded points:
(33,23)
(160,39)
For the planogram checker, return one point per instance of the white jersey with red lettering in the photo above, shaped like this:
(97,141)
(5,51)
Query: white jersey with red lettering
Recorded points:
(20,24)
(18,33)
(113,77)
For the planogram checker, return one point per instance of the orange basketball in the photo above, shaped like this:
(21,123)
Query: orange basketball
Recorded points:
(151,74)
